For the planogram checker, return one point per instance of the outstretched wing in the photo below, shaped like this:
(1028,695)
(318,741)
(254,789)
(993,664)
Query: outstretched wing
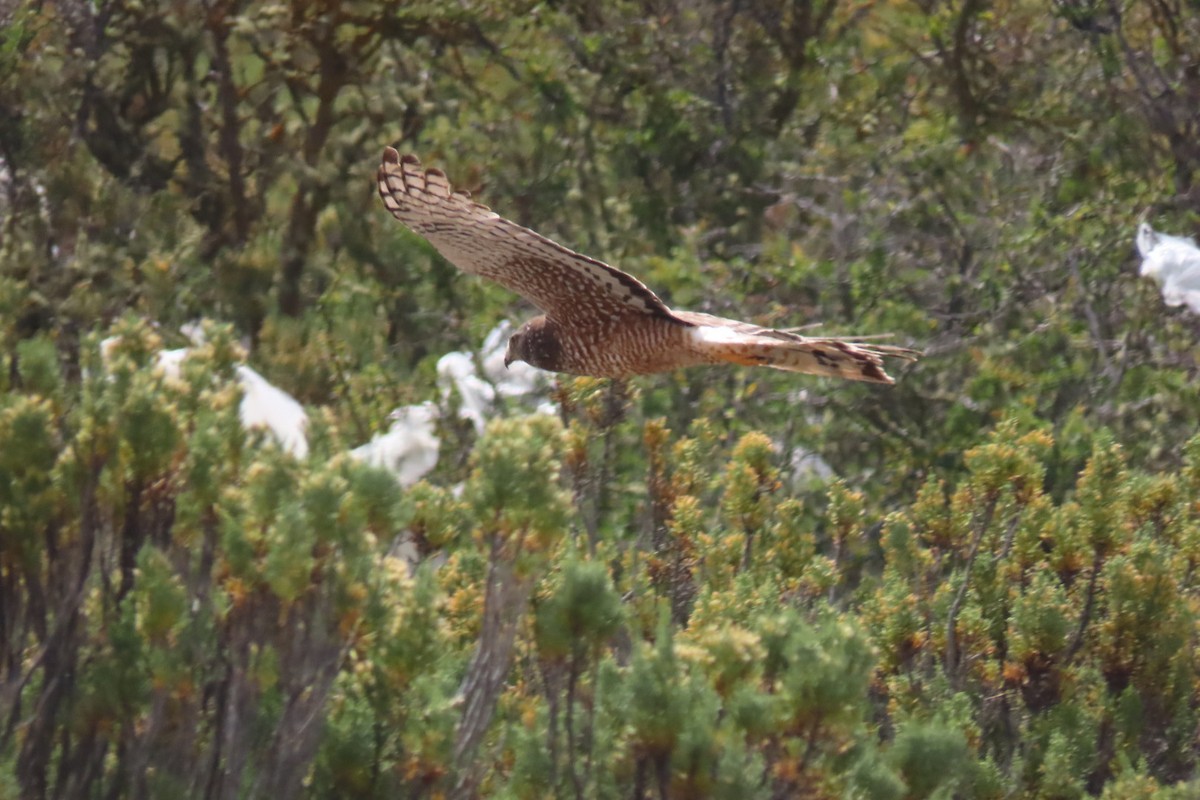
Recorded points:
(564,284)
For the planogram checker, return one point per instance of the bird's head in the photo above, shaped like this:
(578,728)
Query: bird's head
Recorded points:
(536,343)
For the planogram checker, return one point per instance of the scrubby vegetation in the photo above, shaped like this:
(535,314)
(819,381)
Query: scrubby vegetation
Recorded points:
(994,595)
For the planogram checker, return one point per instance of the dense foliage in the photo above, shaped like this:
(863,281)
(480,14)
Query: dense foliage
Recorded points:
(994,595)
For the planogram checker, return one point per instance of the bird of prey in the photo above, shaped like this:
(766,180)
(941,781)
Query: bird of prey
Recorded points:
(598,320)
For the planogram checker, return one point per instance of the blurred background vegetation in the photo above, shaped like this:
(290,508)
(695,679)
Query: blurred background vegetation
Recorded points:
(994,595)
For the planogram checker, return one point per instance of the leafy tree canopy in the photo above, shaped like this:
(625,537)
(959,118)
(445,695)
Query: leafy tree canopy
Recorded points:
(988,590)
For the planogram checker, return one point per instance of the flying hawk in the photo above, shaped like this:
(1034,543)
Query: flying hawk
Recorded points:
(598,320)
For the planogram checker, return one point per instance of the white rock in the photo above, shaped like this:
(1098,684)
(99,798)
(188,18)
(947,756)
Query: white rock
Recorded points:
(171,362)
(409,450)
(267,406)
(807,467)
(264,405)
(457,374)
(1173,261)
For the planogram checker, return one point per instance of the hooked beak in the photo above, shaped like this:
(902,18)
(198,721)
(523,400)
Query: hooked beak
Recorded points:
(510,352)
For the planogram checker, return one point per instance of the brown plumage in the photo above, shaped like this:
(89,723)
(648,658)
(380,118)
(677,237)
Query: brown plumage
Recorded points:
(599,320)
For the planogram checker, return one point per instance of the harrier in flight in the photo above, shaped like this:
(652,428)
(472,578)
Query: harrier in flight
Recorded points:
(598,320)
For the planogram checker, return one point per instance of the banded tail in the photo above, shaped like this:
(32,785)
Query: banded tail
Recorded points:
(749,345)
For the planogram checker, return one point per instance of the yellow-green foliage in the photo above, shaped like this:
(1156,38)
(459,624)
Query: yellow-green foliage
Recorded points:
(733,583)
